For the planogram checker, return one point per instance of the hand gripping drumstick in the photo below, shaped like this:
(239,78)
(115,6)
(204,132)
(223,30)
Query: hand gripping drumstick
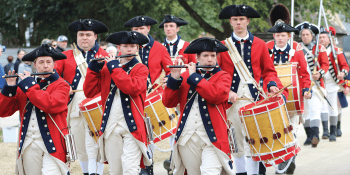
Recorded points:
(273,94)
(312,84)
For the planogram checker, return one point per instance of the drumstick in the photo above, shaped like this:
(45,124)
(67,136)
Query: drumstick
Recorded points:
(161,84)
(78,90)
(312,84)
(273,95)
(171,66)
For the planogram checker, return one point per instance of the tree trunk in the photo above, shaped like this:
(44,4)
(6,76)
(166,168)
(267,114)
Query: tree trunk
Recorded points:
(22,26)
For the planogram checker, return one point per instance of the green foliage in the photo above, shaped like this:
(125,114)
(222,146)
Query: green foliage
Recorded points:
(52,17)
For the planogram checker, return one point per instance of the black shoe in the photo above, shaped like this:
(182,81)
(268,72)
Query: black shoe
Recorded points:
(86,173)
(325,130)
(338,132)
(332,137)
(292,166)
(315,136)
(94,174)
(308,137)
(245,173)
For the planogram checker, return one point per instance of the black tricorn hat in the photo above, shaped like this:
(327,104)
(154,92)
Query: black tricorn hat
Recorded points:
(323,30)
(88,25)
(280,26)
(170,18)
(238,10)
(44,50)
(127,37)
(139,21)
(205,44)
(279,11)
(307,25)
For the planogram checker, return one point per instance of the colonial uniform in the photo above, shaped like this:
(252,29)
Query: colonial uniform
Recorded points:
(86,147)
(43,110)
(177,46)
(154,55)
(201,141)
(123,92)
(287,55)
(313,106)
(333,85)
(255,55)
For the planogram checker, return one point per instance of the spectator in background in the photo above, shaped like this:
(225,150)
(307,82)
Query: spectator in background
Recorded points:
(62,42)
(46,41)
(54,43)
(103,45)
(2,73)
(20,54)
(24,66)
(10,66)
(112,50)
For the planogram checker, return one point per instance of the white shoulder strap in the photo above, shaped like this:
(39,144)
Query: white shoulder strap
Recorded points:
(179,46)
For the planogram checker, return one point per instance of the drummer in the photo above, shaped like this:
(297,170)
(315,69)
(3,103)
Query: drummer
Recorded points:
(122,84)
(42,104)
(86,31)
(283,54)
(201,142)
(256,57)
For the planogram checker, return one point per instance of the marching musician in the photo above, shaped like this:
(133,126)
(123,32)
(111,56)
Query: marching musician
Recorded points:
(202,145)
(283,54)
(255,55)
(122,84)
(313,106)
(173,42)
(42,104)
(333,79)
(86,31)
(153,54)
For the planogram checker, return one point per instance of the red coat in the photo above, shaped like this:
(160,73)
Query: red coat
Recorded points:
(303,74)
(343,65)
(262,65)
(323,62)
(215,92)
(51,101)
(99,80)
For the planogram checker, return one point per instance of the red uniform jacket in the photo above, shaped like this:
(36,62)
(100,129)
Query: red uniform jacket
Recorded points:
(303,74)
(322,61)
(343,65)
(211,93)
(51,101)
(67,68)
(259,63)
(155,56)
(130,79)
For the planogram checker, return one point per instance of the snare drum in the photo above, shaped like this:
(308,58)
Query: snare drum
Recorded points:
(164,120)
(91,110)
(288,74)
(268,130)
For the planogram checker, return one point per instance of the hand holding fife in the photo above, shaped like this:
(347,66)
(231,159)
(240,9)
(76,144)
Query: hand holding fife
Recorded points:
(25,75)
(175,72)
(191,68)
(11,81)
